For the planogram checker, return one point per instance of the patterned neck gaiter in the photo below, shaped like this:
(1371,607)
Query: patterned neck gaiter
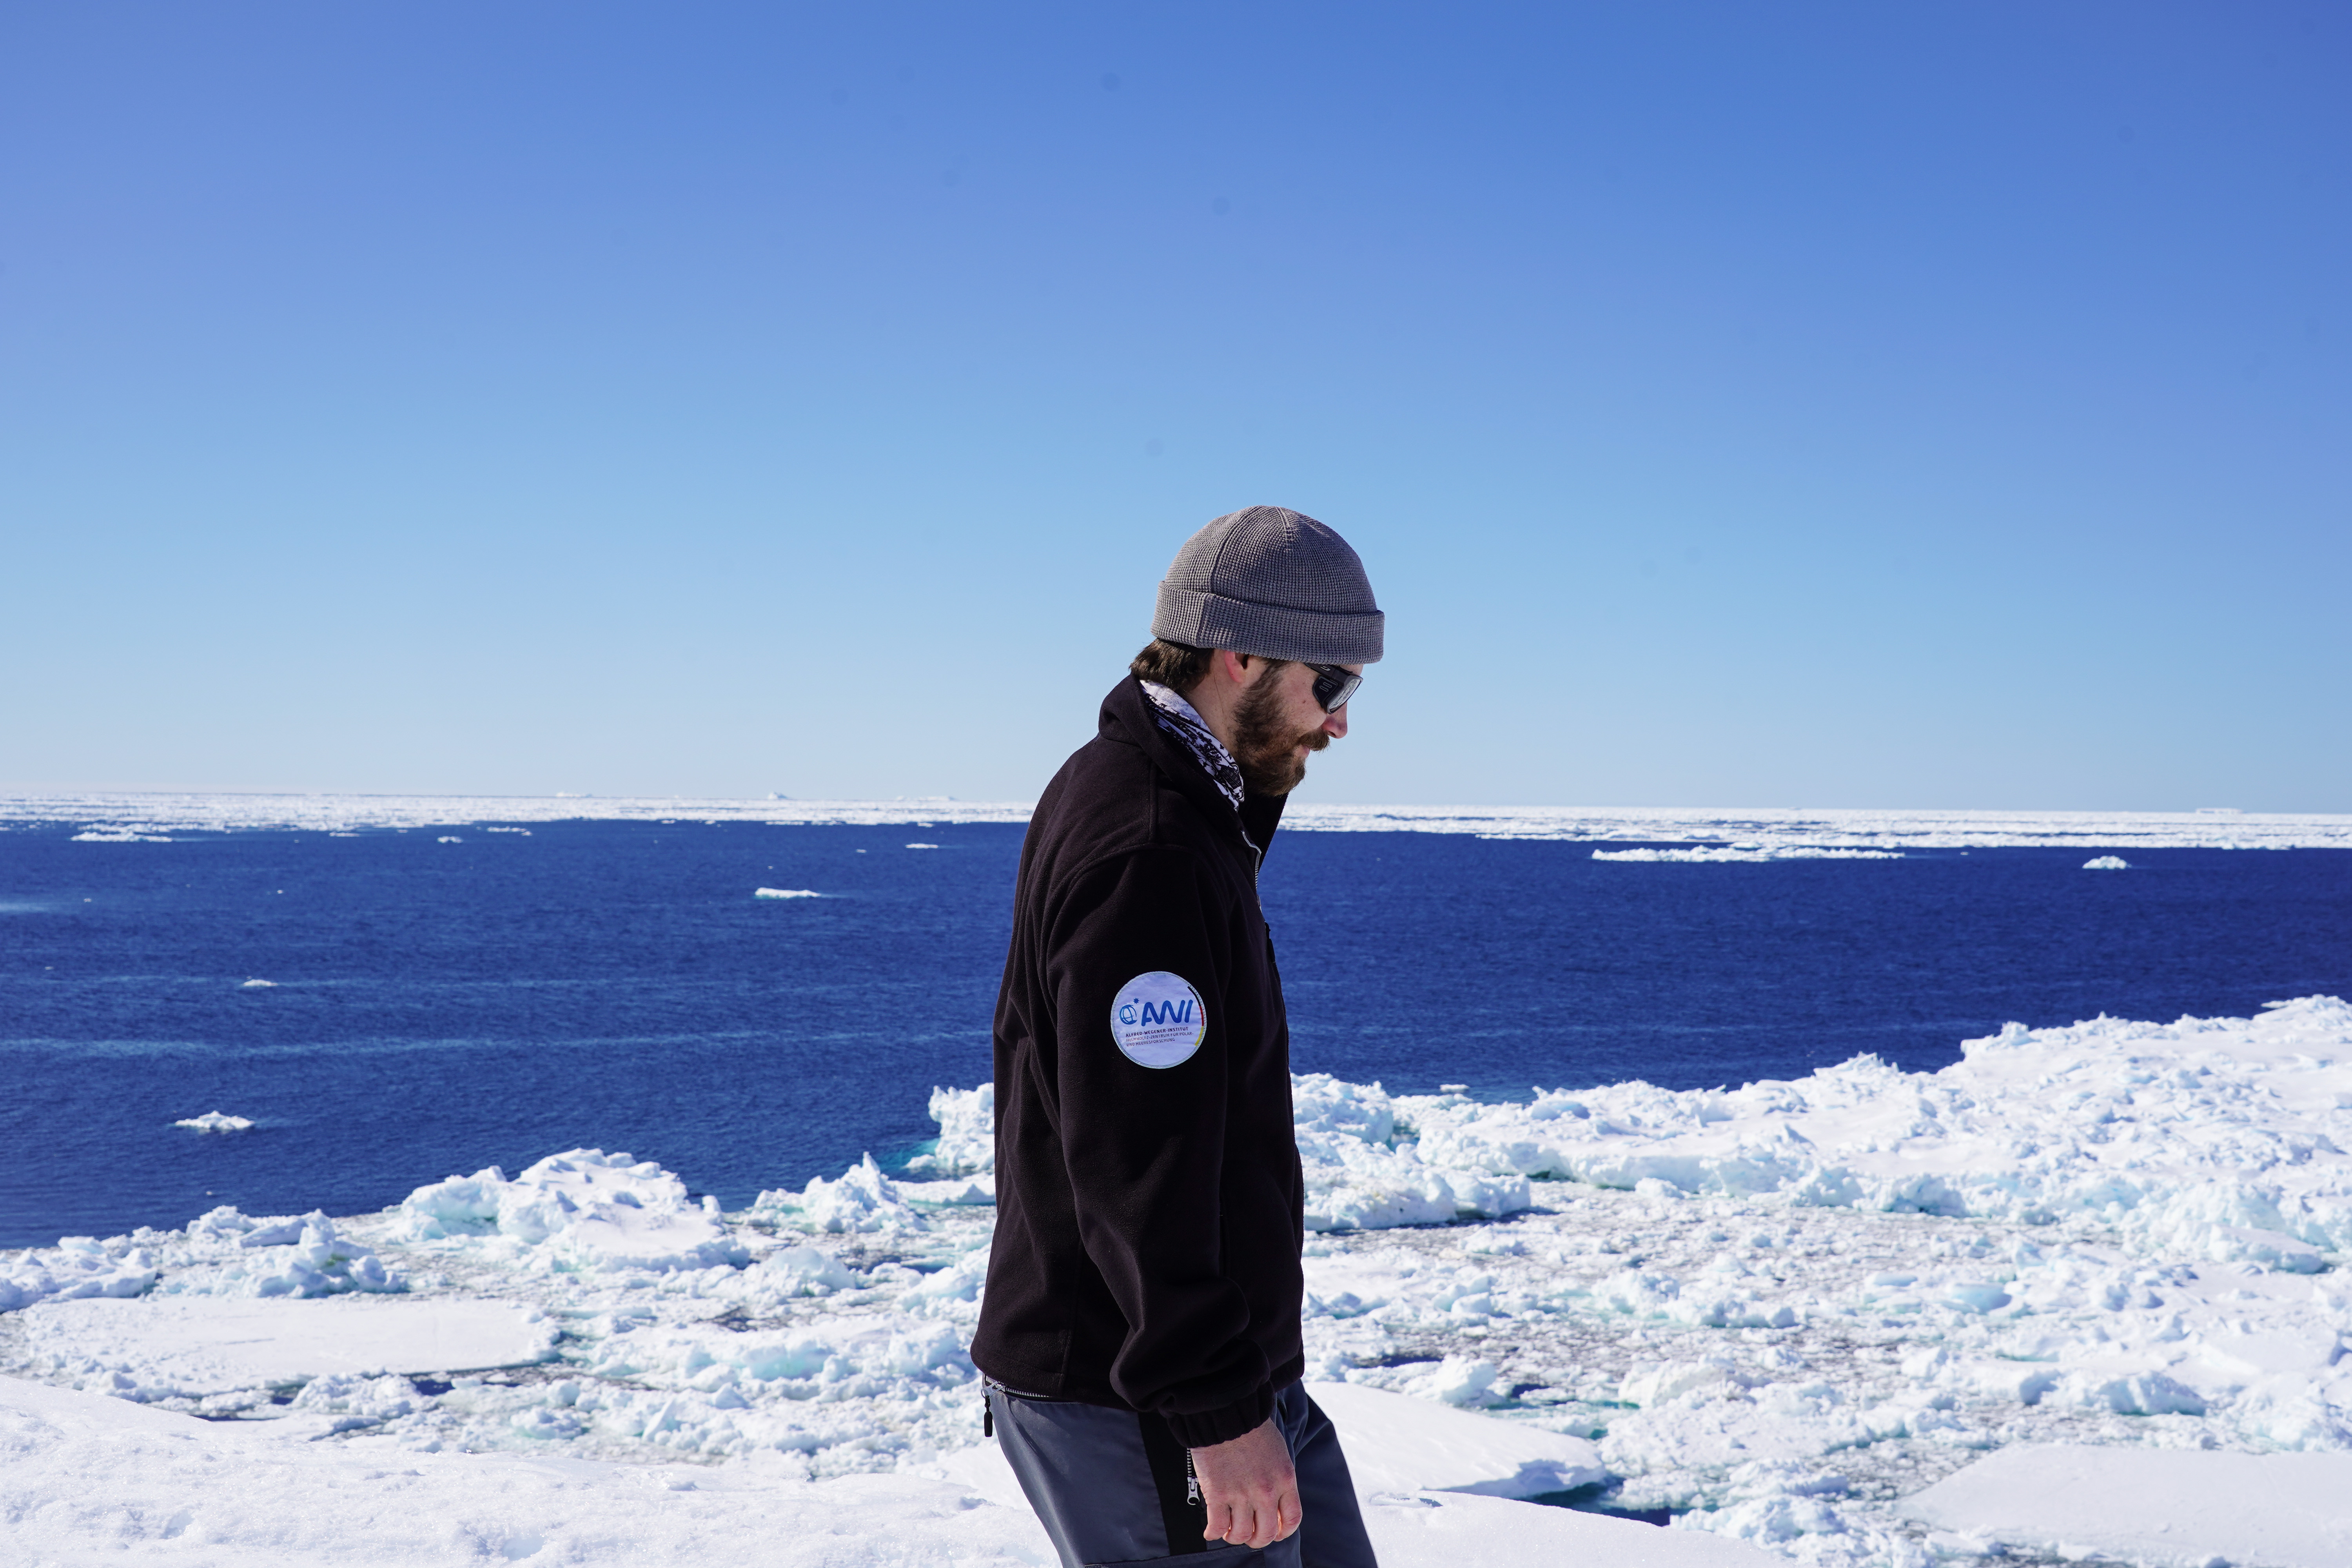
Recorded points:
(1183,722)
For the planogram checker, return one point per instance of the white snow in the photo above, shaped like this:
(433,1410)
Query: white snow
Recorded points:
(126,817)
(1794,1312)
(2164,1506)
(785,893)
(1398,1446)
(85,1480)
(196,1346)
(1452,1531)
(216,1121)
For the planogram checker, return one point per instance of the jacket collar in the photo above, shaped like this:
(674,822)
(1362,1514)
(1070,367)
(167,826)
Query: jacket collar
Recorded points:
(1128,715)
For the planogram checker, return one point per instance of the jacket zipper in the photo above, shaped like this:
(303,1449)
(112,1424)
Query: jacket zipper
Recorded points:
(1191,1482)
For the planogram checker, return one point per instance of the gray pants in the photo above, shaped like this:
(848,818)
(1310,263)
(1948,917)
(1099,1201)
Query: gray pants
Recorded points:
(1109,1486)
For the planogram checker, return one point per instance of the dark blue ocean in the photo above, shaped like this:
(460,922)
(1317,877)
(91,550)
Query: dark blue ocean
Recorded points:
(438,1007)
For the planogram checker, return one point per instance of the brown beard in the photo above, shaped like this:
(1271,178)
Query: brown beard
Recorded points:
(1263,746)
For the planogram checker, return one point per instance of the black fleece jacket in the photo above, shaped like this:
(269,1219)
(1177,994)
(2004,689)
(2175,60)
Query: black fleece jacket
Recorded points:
(1147,1219)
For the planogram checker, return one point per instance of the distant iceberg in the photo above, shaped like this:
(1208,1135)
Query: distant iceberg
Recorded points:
(2107,863)
(785,893)
(218,1121)
(258,985)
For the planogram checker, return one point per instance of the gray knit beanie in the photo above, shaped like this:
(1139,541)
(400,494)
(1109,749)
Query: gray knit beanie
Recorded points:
(1271,582)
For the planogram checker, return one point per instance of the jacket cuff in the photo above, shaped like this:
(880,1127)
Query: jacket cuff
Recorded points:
(1204,1428)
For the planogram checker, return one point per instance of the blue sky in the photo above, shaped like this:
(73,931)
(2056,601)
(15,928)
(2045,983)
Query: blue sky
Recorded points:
(1774,405)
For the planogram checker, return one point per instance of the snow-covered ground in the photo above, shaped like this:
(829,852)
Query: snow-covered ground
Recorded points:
(2077,1294)
(1736,832)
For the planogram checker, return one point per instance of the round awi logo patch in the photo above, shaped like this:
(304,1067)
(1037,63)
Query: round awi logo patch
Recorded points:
(1157,1020)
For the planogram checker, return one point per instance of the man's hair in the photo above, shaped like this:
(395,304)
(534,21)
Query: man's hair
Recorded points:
(1179,667)
(1171,664)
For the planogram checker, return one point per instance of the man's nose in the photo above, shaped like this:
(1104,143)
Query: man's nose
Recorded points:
(1336,725)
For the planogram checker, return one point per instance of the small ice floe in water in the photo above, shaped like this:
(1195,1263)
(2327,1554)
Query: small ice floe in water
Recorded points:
(449,838)
(216,1121)
(524,831)
(922,846)
(1744,854)
(117,835)
(785,893)
(2107,863)
(258,985)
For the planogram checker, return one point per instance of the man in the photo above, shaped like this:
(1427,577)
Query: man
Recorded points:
(1140,1330)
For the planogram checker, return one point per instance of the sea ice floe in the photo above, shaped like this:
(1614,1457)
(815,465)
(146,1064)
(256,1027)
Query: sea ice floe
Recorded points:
(2157,1506)
(1405,1446)
(785,893)
(2107,863)
(1777,1311)
(216,1121)
(113,816)
(1736,854)
(180,1348)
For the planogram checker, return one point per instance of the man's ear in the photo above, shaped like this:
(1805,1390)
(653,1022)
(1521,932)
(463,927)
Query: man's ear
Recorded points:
(1237,667)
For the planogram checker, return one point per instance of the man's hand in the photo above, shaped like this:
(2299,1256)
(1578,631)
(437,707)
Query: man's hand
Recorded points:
(1250,1488)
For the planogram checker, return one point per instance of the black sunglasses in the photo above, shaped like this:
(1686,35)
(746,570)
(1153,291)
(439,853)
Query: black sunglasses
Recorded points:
(1334,684)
